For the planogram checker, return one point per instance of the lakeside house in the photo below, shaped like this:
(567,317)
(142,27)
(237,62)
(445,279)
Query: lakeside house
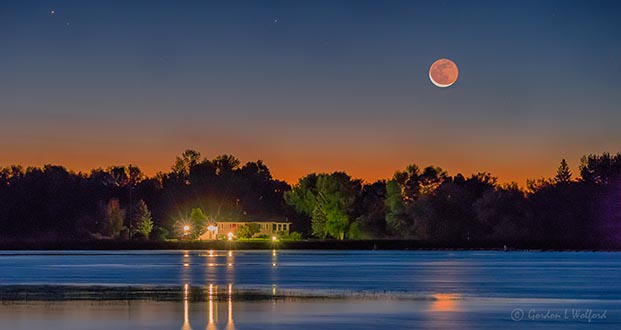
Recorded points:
(268,226)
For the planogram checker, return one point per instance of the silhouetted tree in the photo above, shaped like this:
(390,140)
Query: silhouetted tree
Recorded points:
(563,174)
(184,163)
(51,203)
(369,212)
(226,164)
(504,215)
(114,218)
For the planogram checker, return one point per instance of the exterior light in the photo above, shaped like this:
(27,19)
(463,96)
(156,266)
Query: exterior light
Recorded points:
(212,228)
(230,235)
(186,231)
(274,238)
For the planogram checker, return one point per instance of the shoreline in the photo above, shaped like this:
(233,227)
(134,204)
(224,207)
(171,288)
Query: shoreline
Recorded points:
(383,244)
(194,293)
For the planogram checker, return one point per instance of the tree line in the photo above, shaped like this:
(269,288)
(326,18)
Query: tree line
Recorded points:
(428,204)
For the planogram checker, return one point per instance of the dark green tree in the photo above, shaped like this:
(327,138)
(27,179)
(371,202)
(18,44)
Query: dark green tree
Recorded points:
(397,220)
(328,199)
(143,220)
(198,223)
(248,230)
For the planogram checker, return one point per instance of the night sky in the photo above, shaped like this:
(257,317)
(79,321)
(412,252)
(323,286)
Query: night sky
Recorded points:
(310,86)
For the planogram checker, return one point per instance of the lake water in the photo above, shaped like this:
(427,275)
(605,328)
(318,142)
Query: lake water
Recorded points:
(317,289)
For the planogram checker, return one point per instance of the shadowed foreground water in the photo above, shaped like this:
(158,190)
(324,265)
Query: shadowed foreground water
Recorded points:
(309,290)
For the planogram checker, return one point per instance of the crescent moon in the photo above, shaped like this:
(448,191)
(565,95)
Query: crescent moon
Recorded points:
(438,84)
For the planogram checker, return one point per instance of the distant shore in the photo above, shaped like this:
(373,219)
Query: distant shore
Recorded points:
(196,293)
(386,244)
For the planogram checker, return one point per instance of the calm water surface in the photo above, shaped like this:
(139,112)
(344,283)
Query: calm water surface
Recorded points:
(360,289)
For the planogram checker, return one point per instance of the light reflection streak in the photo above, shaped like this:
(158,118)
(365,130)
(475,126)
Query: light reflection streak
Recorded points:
(211,324)
(186,308)
(230,325)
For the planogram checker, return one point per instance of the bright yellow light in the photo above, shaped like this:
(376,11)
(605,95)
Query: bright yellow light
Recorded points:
(274,238)
(186,228)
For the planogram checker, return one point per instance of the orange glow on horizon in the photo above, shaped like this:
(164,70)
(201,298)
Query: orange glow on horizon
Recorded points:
(291,170)
(366,151)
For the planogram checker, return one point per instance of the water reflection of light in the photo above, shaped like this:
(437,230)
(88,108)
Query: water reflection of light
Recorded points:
(229,323)
(186,258)
(274,258)
(445,302)
(211,324)
(186,262)
(230,269)
(212,305)
(211,253)
(186,308)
